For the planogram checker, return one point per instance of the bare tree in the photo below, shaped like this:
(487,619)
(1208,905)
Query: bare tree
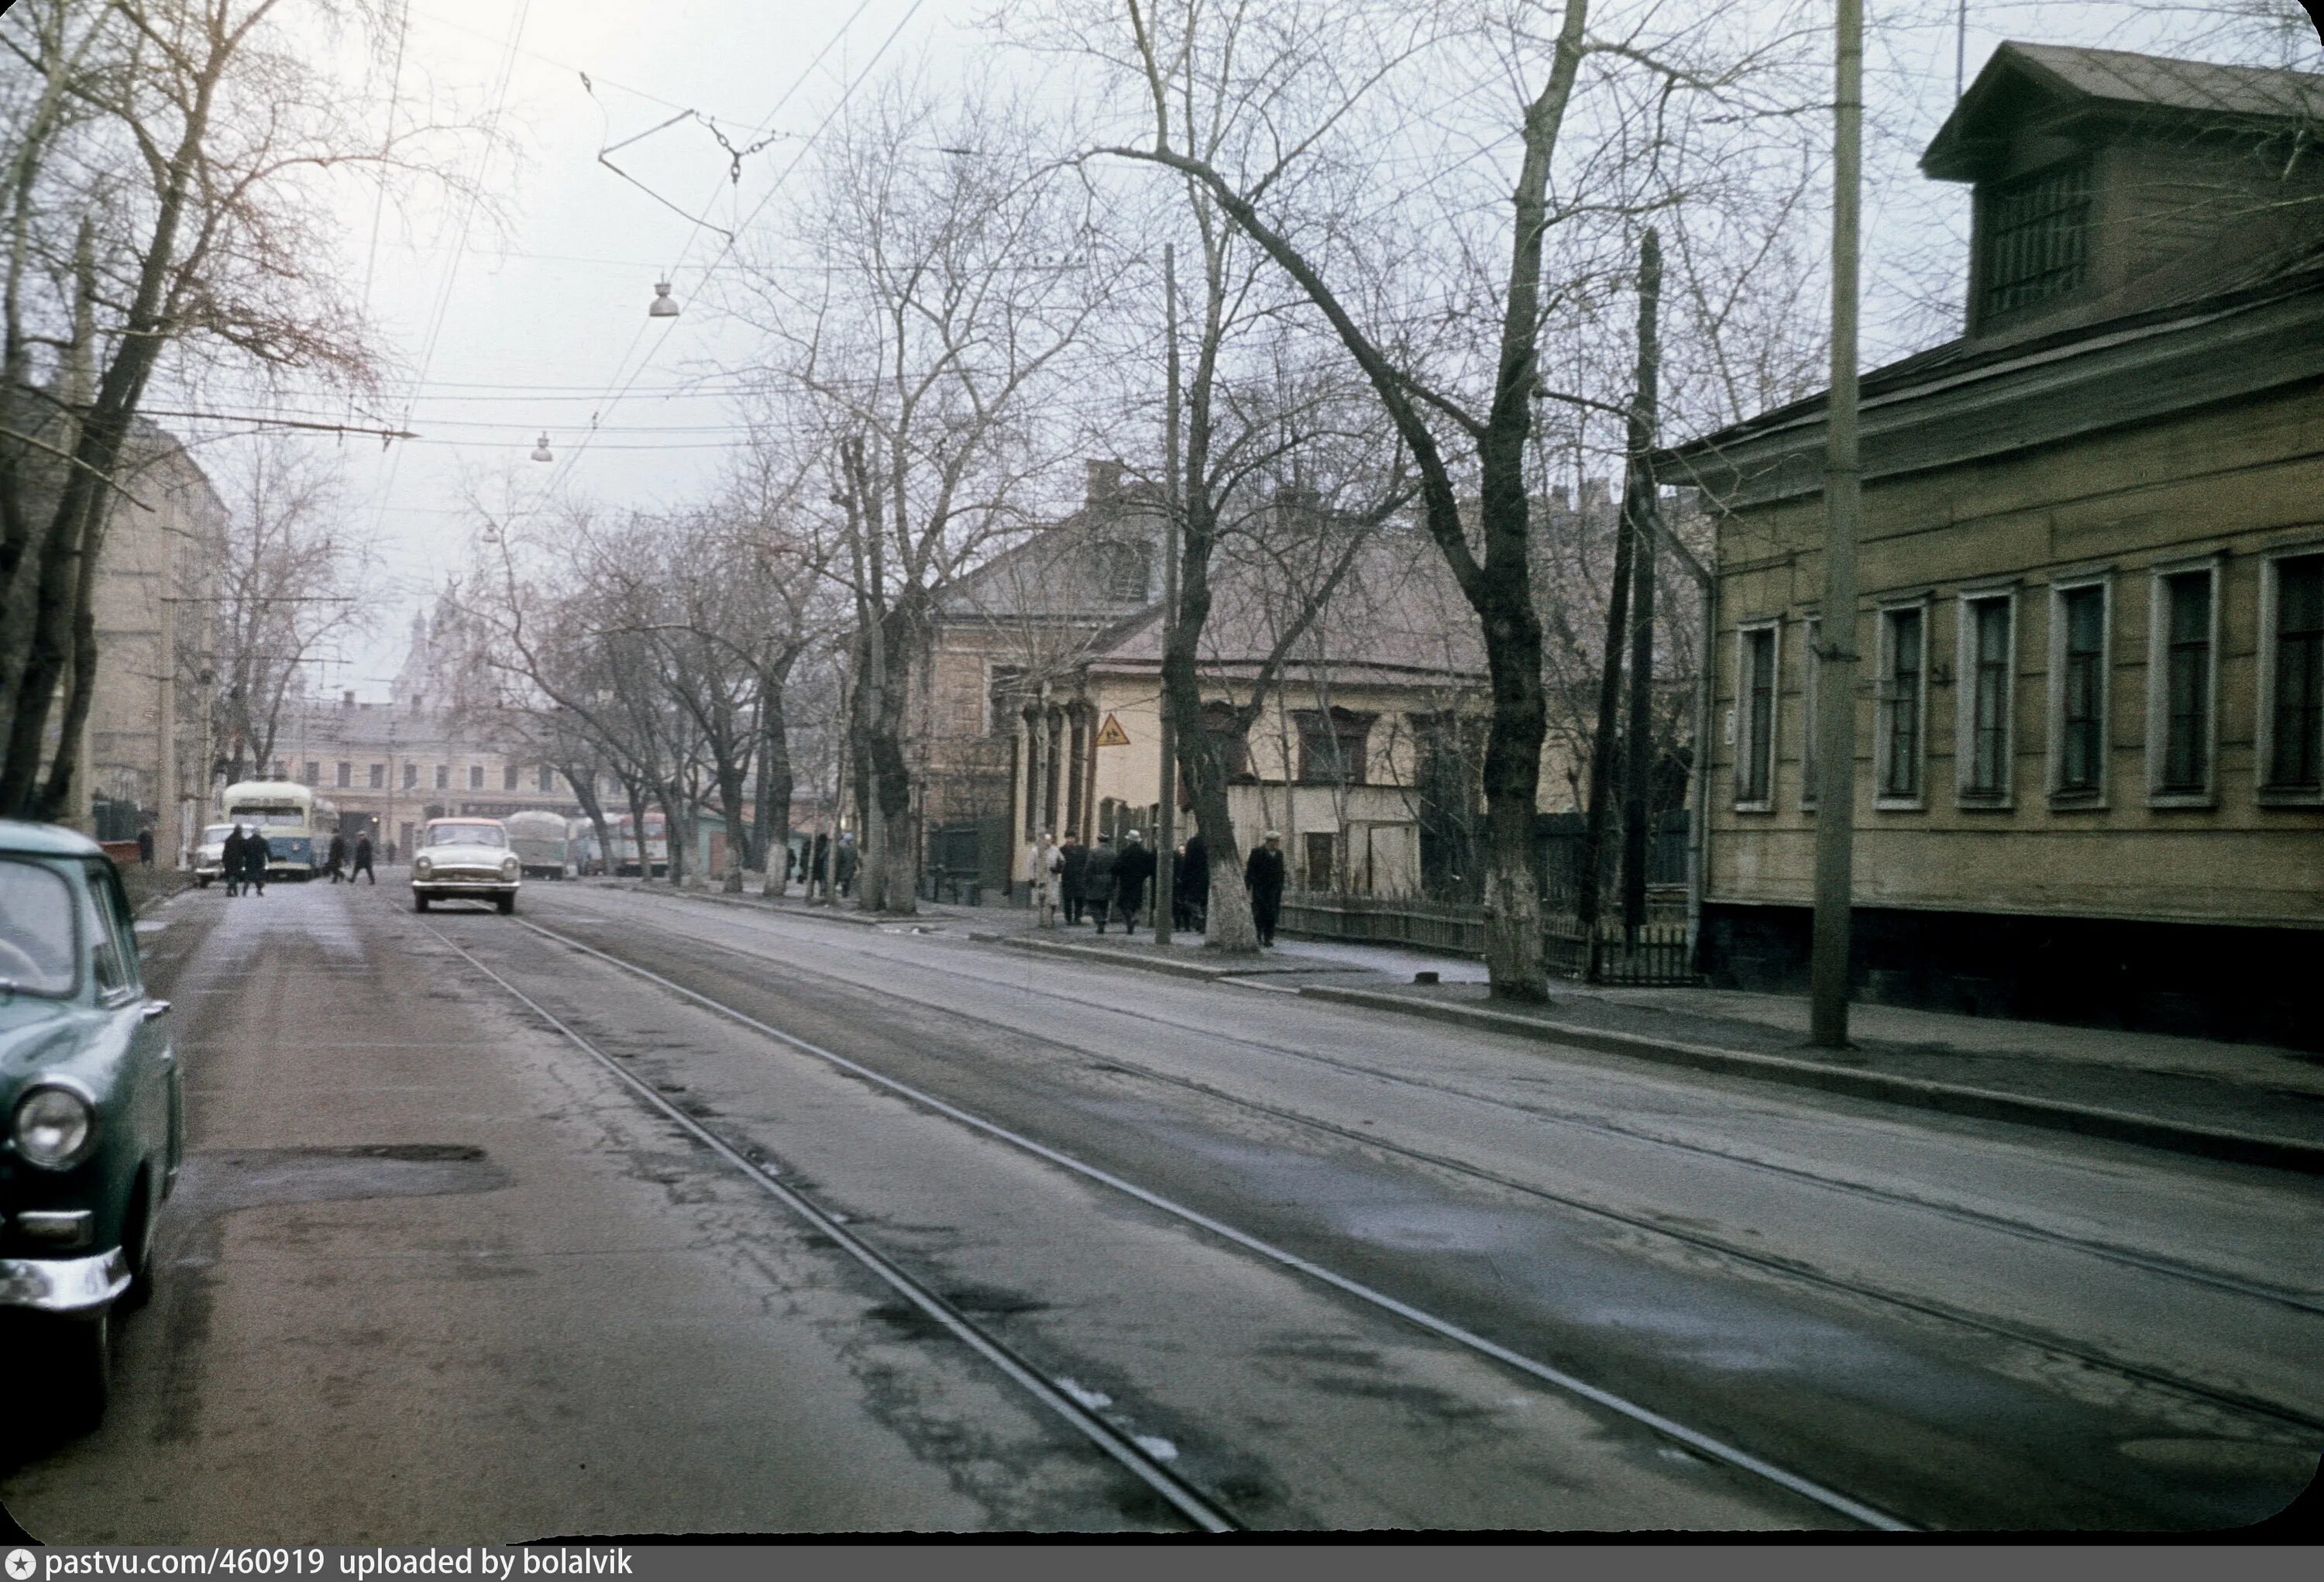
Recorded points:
(942,302)
(285,586)
(164,165)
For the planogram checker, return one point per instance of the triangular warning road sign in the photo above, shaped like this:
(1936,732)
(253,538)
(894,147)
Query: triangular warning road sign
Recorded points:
(1111,735)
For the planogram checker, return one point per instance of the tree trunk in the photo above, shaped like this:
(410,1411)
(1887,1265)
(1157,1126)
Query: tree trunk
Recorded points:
(584,792)
(887,875)
(1639,509)
(1602,746)
(775,787)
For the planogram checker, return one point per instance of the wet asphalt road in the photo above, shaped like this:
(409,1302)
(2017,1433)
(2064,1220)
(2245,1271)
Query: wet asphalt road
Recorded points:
(423,1237)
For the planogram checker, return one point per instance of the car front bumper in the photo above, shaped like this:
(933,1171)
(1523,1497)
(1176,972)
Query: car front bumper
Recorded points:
(455,888)
(64,1285)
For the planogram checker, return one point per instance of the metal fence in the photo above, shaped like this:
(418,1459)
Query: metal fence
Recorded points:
(1656,957)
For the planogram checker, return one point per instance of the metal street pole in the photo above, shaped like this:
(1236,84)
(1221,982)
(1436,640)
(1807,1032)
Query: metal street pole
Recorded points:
(1166,818)
(1843,502)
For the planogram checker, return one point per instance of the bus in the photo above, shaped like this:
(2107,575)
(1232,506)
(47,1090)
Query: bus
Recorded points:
(581,844)
(284,812)
(626,844)
(540,842)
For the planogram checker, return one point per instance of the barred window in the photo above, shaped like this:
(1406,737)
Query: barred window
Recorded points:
(2034,242)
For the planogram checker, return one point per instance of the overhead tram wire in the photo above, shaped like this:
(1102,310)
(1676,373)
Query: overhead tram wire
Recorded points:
(573,456)
(616,388)
(460,247)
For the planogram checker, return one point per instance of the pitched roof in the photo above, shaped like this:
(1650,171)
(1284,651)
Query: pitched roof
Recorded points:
(2117,80)
(1396,616)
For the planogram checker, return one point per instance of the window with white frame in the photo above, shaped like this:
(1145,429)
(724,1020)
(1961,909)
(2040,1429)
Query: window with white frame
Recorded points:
(1986,700)
(2182,679)
(1756,655)
(2078,691)
(1811,709)
(1903,702)
(2292,676)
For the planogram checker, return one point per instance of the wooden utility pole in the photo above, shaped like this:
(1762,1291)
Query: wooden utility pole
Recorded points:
(1843,508)
(1638,505)
(1165,817)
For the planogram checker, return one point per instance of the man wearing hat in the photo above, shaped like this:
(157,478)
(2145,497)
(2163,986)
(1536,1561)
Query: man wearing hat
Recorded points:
(1263,874)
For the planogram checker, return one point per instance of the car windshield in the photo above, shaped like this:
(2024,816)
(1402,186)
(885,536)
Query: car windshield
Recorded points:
(465,834)
(36,931)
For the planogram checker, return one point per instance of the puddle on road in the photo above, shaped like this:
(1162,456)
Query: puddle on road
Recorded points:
(224,1180)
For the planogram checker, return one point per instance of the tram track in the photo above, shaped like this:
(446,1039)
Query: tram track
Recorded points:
(2146,1263)
(1050,1392)
(2241,1404)
(1054,1395)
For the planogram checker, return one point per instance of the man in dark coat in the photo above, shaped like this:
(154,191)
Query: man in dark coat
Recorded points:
(230,861)
(819,872)
(362,859)
(843,864)
(1072,876)
(255,853)
(146,844)
(1190,888)
(337,857)
(1097,880)
(1264,876)
(1131,870)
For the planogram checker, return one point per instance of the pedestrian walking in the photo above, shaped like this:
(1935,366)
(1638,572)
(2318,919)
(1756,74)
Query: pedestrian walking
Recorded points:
(1263,873)
(1044,876)
(230,861)
(363,860)
(843,864)
(1073,874)
(1131,870)
(146,845)
(255,853)
(819,866)
(1190,887)
(337,857)
(1097,880)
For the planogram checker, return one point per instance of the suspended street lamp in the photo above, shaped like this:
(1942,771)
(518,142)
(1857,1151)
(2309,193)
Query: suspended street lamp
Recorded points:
(540,450)
(664,305)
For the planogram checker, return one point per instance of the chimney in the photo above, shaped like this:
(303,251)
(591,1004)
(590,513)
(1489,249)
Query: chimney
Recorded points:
(347,699)
(1104,480)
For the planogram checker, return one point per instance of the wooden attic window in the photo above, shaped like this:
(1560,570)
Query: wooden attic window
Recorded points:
(2035,238)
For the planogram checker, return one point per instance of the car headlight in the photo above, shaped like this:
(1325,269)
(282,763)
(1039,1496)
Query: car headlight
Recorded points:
(422,867)
(55,1128)
(509,867)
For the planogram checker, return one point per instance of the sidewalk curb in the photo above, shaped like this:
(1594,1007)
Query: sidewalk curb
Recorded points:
(813,914)
(1161,964)
(1984,1103)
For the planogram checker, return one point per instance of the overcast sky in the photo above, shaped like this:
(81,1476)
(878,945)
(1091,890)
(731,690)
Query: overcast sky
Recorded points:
(503,334)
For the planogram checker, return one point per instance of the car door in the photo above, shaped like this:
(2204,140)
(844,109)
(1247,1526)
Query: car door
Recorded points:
(152,1073)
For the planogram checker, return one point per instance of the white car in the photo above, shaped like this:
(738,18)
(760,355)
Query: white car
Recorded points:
(209,858)
(464,859)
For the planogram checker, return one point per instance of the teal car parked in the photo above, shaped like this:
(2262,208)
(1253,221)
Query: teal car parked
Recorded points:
(92,1117)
